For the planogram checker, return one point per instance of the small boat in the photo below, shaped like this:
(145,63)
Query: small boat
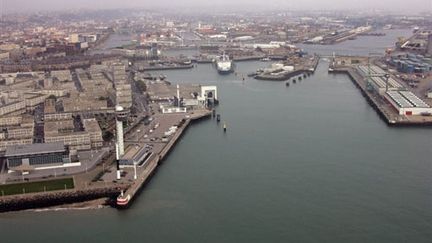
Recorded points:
(218,117)
(186,62)
(265,59)
(287,84)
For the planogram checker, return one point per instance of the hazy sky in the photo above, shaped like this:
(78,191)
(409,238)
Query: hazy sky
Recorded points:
(392,5)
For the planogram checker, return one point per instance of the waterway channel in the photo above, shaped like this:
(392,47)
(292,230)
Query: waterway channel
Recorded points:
(311,162)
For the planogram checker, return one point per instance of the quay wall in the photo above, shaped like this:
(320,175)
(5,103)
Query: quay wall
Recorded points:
(153,164)
(166,68)
(280,77)
(374,103)
(55,198)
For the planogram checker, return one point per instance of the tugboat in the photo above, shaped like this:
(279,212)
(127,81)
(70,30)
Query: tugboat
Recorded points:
(123,201)
(224,64)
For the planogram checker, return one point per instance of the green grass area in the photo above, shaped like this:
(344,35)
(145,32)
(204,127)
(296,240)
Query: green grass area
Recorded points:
(39,186)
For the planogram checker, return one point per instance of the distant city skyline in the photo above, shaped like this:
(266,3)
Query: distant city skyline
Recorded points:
(414,6)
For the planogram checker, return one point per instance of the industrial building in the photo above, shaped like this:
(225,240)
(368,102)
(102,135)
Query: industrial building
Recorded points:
(135,155)
(377,79)
(419,43)
(407,103)
(38,156)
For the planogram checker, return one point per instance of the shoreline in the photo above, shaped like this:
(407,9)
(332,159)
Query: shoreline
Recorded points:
(390,121)
(91,198)
(138,185)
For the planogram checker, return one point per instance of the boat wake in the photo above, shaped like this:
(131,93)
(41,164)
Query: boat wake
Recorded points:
(58,209)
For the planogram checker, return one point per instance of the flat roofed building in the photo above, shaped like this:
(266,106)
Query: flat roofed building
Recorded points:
(80,104)
(407,103)
(62,75)
(32,156)
(376,77)
(32,100)
(10,121)
(16,130)
(5,143)
(413,99)
(65,131)
(13,108)
(124,95)
(135,154)
(20,132)
(92,127)
(75,140)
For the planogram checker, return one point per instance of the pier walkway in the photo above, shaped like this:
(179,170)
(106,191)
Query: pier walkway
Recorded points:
(143,175)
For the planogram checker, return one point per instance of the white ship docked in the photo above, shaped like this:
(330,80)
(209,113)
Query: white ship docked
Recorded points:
(224,64)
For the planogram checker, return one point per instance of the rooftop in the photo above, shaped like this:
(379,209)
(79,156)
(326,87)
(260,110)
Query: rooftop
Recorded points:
(36,148)
(406,99)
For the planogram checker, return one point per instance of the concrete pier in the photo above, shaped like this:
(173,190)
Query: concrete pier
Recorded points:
(156,159)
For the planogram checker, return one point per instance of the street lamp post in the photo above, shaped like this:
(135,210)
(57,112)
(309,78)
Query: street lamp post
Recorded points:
(387,76)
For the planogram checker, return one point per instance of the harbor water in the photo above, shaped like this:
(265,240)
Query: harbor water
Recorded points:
(311,162)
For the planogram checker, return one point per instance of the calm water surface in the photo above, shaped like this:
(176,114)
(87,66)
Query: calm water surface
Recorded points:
(309,163)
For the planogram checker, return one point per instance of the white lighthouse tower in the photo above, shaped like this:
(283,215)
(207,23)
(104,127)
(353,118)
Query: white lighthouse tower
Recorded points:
(121,116)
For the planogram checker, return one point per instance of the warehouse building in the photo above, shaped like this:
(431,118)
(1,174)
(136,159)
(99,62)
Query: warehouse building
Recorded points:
(135,155)
(377,79)
(25,158)
(407,103)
